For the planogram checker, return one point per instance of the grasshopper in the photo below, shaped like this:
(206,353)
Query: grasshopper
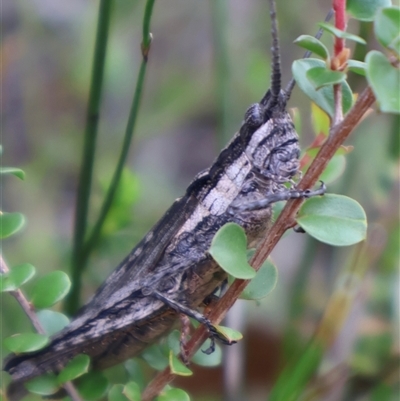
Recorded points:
(170,271)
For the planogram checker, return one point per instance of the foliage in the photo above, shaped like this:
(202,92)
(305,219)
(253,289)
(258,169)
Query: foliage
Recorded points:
(105,213)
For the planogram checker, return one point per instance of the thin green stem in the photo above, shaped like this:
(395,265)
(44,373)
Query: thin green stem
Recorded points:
(86,171)
(95,234)
(146,25)
(130,127)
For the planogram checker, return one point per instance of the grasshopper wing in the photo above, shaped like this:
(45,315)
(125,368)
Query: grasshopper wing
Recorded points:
(118,322)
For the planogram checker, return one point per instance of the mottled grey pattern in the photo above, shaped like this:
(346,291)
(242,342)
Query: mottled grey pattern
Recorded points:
(124,316)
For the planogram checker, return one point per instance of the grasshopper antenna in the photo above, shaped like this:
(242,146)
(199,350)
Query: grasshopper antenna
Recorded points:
(276,58)
(307,54)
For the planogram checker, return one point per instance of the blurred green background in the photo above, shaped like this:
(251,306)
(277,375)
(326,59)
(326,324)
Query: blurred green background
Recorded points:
(208,62)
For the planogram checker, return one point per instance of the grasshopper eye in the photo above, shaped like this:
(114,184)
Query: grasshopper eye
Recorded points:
(254,116)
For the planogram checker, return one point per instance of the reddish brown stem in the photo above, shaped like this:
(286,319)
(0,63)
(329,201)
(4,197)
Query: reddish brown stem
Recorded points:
(339,7)
(337,96)
(286,219)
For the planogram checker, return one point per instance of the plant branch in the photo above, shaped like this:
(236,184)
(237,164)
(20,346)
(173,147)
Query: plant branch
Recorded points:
(130,127)
(338,109)
(89,147)
(83,252)
(25,304)
(339,7)
(286,219)
(27,308)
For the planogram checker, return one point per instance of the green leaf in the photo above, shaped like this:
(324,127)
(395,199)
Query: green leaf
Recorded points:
(320,120)
(17,276)
(334,169)
(323,97)
(50,289)
(116,393)
(78,366)
(43,385)
(358,67)
(231,335)
(334,219)
(322,76)
(202,359)
(341,34)
(364,10)
(228,249)
(14,171)
(136,372)
(10,223)
(155,358)
(132,391)
(314,45)
(263,283)
(384,79)
(386,28)
(173,394)
(177,367)
(92,386)
(26,342)
(52,321)
(173,341)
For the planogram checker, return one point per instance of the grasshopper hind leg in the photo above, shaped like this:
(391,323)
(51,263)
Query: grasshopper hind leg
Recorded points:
(213,332)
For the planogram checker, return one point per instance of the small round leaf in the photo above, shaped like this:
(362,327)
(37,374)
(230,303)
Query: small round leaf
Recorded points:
(132,391)
(334,219)
(74,368)
(365,10)
(26,342)
(92,386)
(356,66)
(323,97)
(17,276)
(384,79)
(52,321)
(322,76)
(229,250)
(173,394)
(203,359)
(263,283)
(50,289)
(10,223)
(134,368)
(43,385)
(174,341)
(386,28)
(155,358)
(177,367)
(116,393)
(313,44)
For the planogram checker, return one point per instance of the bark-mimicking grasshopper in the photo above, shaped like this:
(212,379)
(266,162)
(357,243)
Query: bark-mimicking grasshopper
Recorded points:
(170,271)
